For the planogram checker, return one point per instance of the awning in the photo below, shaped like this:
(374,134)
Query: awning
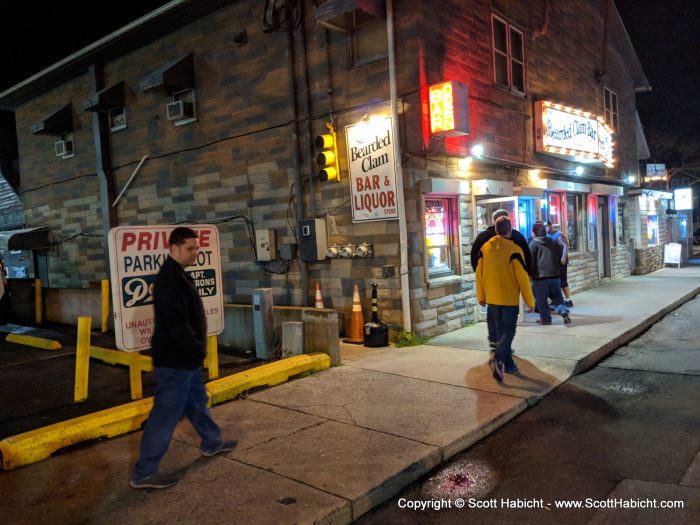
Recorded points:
(108,98)
(26,239)
(607,189)
(332,12)
(178,74)
(58,122)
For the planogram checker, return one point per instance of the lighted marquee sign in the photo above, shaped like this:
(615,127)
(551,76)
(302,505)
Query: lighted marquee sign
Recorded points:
(449,113)
(569,132)
(371,163)
(656,172)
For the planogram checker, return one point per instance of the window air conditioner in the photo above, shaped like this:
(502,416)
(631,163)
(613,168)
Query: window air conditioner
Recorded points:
(179,110)
(63,147)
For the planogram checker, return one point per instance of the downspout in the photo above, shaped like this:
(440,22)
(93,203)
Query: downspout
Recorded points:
(103,163)
(307,113)
(604,66)
(296,157)
(403,235)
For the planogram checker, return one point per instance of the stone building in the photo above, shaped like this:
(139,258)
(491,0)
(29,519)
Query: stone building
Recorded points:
(207,111)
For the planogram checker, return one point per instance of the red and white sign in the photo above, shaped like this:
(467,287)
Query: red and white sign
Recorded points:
(136,254)
(372,170)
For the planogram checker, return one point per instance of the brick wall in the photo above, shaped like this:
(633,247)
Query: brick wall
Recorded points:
(239,157)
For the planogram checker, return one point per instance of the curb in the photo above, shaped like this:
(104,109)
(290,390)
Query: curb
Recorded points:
(39,444)
(30,340)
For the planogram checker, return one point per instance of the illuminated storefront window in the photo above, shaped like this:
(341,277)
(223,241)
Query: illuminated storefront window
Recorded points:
(575,214)
(440,231)
(653,229)
(612,207)
(592,222)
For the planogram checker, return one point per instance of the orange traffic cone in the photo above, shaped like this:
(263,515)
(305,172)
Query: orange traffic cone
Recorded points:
(356,321)
(319,297)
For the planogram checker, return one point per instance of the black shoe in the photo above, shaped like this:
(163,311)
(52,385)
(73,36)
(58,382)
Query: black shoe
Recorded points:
(567,319)
(226,446)
(492,344)
(155,481)
(569,303)
(496,367)
(542,321)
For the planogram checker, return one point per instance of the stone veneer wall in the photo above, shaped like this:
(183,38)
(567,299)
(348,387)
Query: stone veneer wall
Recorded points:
(620,260)
(649,259)
(583,271)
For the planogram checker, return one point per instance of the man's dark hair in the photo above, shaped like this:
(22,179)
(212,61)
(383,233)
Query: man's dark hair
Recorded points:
(180,234)
(548,223)
(503,226)
(538,230)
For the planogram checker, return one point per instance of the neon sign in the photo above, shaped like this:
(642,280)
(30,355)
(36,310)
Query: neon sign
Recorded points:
(448,109)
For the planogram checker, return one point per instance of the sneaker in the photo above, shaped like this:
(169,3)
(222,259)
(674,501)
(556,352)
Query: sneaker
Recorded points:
(155,481)
(496,369)
(542,321)
(567,319)
(511,369)
(226,446)
(492,345)
(569,303)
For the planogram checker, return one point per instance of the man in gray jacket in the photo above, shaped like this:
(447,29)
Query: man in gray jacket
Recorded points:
(545,270)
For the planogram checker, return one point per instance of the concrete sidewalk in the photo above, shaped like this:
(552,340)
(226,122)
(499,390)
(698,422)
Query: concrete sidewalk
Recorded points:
(329,447)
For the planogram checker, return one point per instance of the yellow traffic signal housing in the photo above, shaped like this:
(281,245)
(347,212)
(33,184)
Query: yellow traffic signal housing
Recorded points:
(327,158)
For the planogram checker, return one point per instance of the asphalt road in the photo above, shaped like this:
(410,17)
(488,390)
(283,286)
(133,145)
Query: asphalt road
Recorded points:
(628,429)
(36,386)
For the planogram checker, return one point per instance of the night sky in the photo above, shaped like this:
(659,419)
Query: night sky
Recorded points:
(665,33)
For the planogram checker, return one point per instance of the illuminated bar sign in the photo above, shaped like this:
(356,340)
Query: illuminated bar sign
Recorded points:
(449,114)
(372,166)
(568,132)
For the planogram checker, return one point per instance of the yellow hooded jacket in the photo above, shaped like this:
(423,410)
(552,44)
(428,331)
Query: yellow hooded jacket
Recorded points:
(501,275)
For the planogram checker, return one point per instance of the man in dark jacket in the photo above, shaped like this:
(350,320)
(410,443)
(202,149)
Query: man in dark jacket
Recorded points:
(545,269)
(481,239)
(178,349)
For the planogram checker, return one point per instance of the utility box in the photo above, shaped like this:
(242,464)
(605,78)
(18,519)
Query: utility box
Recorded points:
(265,247)
(263,323)
(292,339)
(313,240)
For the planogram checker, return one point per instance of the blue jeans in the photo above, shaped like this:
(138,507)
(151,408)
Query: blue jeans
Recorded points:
(491,325)
(505,319)
(548,288)
(178,392)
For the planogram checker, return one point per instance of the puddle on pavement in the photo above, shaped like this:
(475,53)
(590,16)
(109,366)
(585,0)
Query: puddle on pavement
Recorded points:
(625,387)
(462,479)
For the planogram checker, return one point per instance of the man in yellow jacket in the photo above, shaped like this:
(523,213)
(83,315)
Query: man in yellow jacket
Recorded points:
(500,280)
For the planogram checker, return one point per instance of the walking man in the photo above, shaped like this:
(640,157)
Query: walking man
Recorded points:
(545,272)
(178,349)
(500,280)
(559,237)
(481,239)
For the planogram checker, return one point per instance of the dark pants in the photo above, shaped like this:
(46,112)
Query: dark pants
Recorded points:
(491,325)
(548,288)
(178,392)
(505,319)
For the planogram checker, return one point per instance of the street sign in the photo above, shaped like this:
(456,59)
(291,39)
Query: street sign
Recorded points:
(136,254)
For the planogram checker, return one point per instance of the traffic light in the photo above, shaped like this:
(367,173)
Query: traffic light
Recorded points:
(327,158)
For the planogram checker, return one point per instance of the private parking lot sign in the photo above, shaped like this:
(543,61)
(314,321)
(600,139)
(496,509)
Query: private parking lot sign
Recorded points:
(136,254)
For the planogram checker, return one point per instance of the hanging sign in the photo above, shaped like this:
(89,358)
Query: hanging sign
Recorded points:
(136,254)
(449,113)
(370,148)
(569,132)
